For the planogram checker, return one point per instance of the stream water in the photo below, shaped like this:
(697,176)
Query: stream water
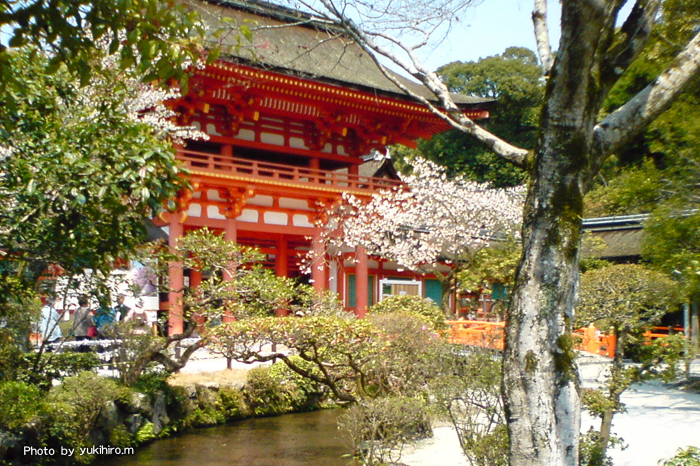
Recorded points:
(307,439)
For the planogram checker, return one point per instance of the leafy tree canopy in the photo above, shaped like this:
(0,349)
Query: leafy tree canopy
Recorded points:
(661,164)
(80,168)
(627,297)
(157,37)
(657,173)
(514,80)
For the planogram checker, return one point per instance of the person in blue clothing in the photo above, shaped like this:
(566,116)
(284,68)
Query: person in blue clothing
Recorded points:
(48,326)
(103,319)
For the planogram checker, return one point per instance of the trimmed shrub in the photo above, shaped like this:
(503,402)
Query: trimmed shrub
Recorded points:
(20,405)
(299,393)
(264,394)
(55,366)
(411,305)
(379,429)
(232,404)
(74,408)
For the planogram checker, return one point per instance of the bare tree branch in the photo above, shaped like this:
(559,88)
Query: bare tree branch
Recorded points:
(544,48)
(629,120)
(635,33)
(451,114)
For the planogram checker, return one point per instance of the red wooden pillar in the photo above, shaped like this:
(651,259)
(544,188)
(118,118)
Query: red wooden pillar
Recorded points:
(281,257)
(281,269)
(361,279)
(195,281)
(176,280)
(230,234)
(318,275)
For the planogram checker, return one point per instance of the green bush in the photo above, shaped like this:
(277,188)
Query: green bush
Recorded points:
(689,457)
(379,429)
(151,382)
(55,366)
(299,393)
(145,433)
(232,404)
(20,405)
(208,411)
(121,437)
(411,305)
(74,408)
(263,393)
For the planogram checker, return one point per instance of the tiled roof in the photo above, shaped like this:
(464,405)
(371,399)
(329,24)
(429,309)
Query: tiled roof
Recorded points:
(295,43)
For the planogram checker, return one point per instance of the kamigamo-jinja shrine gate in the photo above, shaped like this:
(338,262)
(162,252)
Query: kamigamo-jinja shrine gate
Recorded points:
(291,121)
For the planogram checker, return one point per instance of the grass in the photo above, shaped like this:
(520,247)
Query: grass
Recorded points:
(225,377)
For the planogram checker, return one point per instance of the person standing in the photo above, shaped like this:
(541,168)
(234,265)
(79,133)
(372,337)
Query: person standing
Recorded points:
(82,319)
(48,327)
(121,310)
(104,318)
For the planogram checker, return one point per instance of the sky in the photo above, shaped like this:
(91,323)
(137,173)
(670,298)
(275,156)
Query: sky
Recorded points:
(491,27)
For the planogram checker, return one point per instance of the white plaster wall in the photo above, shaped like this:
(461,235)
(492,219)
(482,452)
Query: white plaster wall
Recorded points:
(276,218)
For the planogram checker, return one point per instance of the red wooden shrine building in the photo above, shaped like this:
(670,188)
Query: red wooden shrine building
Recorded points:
(290,119)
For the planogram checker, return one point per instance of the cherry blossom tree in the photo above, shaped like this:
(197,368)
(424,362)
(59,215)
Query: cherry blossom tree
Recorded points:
(574,140)
(433,224)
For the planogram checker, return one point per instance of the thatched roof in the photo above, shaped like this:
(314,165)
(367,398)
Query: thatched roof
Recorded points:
(622,236)
(295,43)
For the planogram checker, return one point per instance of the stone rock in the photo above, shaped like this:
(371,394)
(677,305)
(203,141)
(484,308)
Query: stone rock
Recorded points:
(160,417)
(133,423)
(191,391)
(110,417)
(8,442)
(139,403)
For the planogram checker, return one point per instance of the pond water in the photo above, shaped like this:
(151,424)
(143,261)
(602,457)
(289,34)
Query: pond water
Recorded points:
(307,439)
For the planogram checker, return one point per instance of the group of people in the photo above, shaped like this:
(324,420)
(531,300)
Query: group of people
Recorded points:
(88,323)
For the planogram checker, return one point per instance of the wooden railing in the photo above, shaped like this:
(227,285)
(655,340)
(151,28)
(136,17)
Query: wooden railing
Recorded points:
(255,170)
(476,333)
(589,339)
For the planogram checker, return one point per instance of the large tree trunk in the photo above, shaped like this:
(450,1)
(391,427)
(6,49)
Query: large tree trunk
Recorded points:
(540,382)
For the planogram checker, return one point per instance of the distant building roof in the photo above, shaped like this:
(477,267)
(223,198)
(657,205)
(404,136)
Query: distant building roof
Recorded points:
(296,43)
(622,235)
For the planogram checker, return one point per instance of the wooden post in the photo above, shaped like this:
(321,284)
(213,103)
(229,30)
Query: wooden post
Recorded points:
(230,234)
(176,281)
(317,268)
(281,269)
(695,328)
(361,279)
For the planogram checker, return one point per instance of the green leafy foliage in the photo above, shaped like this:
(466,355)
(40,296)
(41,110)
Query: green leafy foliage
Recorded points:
(20,404)
(688,457)
(379,429)
(264,394)
(514,79)
(467,394)
(299,393)
(657,172)
(77,174)
(145,433)
(75,407)
(158,38)
(495,264)
(411,305)
(55,366)
(672,244)
(74,167)
(627,299)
